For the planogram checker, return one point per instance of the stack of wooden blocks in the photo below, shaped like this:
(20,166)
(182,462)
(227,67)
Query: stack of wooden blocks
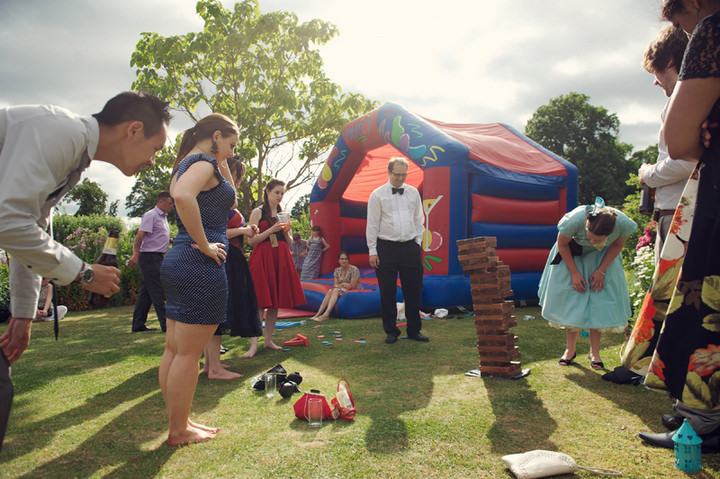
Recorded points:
(490,285)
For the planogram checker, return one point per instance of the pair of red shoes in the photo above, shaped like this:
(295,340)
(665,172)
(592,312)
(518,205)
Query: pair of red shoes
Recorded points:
(299,340)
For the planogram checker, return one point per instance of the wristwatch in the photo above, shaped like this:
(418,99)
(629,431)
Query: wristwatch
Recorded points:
(86,274)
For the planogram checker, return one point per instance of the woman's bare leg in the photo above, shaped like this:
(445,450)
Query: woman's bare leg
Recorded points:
(331,304)
(595,345)
(179,379)
(270,319)
(323,307)
(571,344)
(213,366)
(253,347)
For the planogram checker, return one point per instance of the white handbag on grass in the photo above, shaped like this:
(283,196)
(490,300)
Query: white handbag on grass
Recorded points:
(540,463)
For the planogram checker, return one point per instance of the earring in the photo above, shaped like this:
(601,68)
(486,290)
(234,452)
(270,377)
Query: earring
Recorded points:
(214,148)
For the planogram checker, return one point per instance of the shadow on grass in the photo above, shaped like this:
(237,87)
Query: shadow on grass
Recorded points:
(648,405)
(109,447)
(512,401)
(378,374)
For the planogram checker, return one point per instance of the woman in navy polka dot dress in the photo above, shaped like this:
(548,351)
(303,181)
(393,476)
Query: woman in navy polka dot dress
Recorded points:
(193,271)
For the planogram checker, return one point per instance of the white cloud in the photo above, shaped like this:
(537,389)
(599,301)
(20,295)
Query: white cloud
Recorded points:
(463,61)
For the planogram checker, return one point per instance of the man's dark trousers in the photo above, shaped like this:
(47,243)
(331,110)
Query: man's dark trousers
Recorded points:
(6,395)
(152,293)
(404,258)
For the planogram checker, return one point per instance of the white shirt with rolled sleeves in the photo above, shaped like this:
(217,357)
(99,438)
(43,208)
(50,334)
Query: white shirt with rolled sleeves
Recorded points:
(668,176)
(43,152)
(394,217)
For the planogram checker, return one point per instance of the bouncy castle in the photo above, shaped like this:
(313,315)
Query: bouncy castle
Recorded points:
(475,180)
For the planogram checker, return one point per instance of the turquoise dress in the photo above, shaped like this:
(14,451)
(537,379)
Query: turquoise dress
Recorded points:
(564,306)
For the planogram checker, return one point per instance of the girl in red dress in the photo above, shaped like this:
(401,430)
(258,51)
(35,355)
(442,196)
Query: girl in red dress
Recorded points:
(271,265)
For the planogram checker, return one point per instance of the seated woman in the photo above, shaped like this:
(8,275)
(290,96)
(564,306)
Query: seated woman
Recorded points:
(45,309)
(346,277)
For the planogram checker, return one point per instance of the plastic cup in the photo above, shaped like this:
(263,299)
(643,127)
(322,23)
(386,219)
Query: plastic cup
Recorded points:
(270,384)
(315,410)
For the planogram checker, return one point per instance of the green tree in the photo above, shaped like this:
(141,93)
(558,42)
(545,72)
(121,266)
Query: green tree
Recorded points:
(90,197)
(648,155)
(262,70)
(150,182)
(631,203)
(113,208)
(301,206)
(587,136)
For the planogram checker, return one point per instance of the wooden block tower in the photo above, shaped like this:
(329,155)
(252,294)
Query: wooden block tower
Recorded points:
(489,286)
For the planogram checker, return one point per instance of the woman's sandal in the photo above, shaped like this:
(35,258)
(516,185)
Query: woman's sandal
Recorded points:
(566,362)
(596,364)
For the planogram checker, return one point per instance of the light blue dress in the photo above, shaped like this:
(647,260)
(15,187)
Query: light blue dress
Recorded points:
(563,305)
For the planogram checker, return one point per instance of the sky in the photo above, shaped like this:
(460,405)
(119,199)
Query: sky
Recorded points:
(456,61)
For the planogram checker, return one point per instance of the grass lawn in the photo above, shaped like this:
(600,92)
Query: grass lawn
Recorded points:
(89,406)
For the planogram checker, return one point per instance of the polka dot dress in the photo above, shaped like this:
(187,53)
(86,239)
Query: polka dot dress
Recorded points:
(195,285)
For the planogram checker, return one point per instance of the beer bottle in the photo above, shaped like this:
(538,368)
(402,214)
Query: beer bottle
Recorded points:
(108,257)
(647,200)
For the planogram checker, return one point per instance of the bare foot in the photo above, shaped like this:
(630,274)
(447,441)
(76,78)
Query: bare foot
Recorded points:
(319,319)
(251,352)
(190,435)
(223,373)
(270,345)
(202,427)
(206,368)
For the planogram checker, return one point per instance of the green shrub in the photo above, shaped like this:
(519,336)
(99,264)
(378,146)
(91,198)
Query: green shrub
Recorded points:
(87,244)
(4,284)
(631,208)
(64,225)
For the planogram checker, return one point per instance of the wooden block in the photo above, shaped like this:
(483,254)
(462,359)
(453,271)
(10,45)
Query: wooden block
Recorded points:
(496,326)
(469,268)
(476,257)
(484,279)
(499,356)
(505,340)
(501,371)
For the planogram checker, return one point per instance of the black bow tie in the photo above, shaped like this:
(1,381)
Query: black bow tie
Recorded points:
(397,190)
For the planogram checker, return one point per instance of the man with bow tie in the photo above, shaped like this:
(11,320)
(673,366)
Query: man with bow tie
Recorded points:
(394,231)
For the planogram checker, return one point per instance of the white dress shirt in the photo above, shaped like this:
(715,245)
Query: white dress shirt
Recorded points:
(43,152)
(394,217)
(668,176)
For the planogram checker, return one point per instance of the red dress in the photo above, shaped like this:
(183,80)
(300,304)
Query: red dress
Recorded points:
(273,272)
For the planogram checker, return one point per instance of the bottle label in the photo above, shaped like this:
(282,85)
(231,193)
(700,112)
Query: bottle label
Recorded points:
(110,246)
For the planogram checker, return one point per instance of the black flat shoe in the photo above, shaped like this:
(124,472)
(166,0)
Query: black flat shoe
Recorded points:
(390,338)
(566,362)
(144,328)
(419,337)
(671,421)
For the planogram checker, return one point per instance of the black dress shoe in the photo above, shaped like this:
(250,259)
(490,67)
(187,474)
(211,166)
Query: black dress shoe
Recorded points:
(710,444)
(391,338)
(144,328)
(671,421)
(660,439)
(419,337)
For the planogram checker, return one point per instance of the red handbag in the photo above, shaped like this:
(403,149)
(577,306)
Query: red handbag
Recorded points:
(301,405)
(344,402)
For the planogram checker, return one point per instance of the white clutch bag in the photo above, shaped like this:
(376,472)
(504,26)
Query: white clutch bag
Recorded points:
(540,463)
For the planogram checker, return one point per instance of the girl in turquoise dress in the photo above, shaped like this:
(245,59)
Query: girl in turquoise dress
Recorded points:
(583,284)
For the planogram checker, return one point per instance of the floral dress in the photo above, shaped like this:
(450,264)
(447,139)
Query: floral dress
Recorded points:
(687,356)
(638,350)
(352,273)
